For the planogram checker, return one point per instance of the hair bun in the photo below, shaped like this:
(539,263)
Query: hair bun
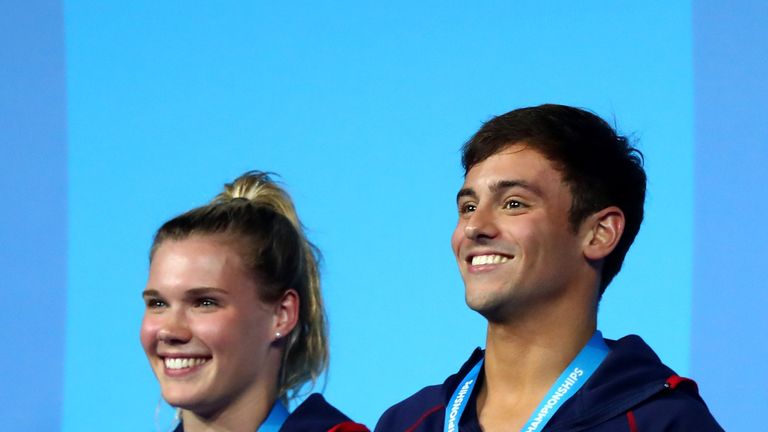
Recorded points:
(259,189)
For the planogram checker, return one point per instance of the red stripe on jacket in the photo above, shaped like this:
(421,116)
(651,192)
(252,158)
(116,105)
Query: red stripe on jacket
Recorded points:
(631,421)
(349,426)
(424,416)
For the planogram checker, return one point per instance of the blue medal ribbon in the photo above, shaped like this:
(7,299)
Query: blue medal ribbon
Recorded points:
(459,399)
(569,382)
(275,419)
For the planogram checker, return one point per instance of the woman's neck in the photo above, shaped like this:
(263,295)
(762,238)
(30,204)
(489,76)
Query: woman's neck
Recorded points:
(245,414)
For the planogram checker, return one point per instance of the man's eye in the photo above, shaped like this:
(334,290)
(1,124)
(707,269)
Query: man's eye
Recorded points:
(467,208)
(513,205)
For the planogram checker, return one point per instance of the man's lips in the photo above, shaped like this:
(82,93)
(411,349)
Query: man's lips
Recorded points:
(487,257)
(486,260)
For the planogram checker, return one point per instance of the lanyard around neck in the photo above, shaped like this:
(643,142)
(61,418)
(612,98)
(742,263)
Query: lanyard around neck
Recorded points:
(275,419)
(569,382)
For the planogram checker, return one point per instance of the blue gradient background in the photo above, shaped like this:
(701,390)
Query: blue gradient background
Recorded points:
(115,116)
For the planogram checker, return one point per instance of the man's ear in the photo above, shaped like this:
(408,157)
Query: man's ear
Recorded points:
(286,312)
(604,230)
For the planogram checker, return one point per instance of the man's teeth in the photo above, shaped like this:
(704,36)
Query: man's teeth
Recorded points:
(183,363)
(488,259)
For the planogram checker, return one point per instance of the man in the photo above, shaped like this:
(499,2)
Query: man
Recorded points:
(551,202)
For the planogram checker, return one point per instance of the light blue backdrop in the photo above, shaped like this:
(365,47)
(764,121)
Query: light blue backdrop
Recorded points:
(362,109)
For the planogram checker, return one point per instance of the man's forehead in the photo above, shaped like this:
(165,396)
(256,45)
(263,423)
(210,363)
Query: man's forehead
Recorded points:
(517,165)
(513,161)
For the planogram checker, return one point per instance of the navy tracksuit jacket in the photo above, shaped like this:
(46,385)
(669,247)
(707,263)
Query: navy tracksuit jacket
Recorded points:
(631,391)
(315,415)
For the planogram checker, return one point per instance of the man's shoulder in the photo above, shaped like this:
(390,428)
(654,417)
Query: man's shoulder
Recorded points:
(416,410)
(424,410)
(678,408)
(634,384)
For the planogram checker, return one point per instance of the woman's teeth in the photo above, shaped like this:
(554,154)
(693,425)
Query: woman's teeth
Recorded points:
(183,363)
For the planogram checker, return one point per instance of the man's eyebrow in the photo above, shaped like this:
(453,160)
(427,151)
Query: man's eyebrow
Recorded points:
(466,192)
(501,185)
(509,184)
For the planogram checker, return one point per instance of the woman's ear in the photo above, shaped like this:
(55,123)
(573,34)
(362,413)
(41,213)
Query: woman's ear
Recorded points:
(286,313)
(604,229)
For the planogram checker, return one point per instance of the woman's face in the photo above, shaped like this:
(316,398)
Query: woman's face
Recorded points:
(206,333)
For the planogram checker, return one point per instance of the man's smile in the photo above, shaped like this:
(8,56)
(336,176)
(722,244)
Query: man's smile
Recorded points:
(488,259)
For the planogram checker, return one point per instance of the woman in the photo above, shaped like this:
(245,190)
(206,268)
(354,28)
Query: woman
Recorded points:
(234,323)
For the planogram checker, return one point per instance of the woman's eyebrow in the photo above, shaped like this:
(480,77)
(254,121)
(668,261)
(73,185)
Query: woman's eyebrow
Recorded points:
(205,290)
(150,293)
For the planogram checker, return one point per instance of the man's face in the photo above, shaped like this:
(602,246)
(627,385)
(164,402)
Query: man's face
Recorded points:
(514,242)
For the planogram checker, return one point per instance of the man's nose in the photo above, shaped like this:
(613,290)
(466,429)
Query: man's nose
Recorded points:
(481,224)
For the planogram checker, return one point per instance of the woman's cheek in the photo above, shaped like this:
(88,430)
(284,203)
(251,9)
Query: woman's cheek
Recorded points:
(148,332)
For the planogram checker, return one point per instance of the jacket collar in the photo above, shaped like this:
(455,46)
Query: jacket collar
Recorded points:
(630,374)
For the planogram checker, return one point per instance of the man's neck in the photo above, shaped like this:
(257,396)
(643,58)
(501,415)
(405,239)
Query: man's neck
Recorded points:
(523,358)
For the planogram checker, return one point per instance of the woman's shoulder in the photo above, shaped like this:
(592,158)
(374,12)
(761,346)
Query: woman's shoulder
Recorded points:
(316,414)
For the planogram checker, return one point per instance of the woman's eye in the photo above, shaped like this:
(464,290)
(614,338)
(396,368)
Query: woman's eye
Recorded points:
(207,302)
(153,303)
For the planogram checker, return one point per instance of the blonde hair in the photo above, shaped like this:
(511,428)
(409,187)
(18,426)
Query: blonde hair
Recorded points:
(260,218)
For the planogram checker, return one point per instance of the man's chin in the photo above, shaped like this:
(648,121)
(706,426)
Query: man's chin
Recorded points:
(497,309)
(490,309)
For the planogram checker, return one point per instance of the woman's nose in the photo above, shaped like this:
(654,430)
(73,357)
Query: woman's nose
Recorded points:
(174,329)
